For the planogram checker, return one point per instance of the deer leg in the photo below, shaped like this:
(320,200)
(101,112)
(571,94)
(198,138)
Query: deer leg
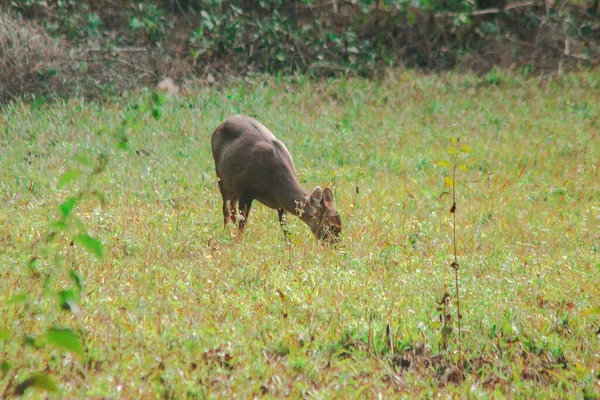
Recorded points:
(228,214)
(228,206)
(244,207)
(280,214)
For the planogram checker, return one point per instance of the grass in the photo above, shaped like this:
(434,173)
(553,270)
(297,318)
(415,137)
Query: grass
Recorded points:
(180,308)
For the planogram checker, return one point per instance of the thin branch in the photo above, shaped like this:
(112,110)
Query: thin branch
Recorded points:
(120,62)
(115,49)
(488,11)
(455,264)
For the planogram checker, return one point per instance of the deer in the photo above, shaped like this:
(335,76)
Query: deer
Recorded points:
(252,164)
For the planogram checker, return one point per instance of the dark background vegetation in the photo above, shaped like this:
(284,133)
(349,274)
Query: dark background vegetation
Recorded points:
(103,46)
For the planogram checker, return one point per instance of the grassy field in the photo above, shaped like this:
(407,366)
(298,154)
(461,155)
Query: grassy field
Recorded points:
(180,308)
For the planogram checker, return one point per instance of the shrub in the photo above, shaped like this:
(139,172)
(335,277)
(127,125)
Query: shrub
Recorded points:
(30,61)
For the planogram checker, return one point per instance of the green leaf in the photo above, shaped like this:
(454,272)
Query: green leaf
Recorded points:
(122,145)
(83,160)
(69,176)
(38,381)
(32,264)
(4,334)
(454,140)
(59,225)
(136,23)
(442,163)
(65,339)
(67,206)
(448,181)
(465,148)
(452,151)
(156,113)
(159,99)
(5,366)
(30,340)
(462,167)
(68,300)
(91,244)
(17,299)
(74,275)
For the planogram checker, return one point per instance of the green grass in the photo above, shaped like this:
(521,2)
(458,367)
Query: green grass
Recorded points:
(180,308)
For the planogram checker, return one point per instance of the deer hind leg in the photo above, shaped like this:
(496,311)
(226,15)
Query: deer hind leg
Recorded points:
(281,214)
(244,208)
(228,206)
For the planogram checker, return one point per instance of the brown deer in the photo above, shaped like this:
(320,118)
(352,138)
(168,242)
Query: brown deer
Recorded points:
(252,164)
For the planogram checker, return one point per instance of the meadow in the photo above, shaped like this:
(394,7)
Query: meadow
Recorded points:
(178,307)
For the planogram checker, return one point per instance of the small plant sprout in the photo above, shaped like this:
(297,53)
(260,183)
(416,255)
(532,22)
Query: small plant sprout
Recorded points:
(68,229)
(456,150)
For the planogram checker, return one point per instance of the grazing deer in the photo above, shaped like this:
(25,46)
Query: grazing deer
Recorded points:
(252,164)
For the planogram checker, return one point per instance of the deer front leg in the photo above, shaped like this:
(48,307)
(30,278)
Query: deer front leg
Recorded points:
(281,215)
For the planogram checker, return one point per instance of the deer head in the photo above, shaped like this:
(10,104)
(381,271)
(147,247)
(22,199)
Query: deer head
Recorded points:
(324,221)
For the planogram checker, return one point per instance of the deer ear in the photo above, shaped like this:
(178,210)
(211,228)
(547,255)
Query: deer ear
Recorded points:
(316,196)
(327,196)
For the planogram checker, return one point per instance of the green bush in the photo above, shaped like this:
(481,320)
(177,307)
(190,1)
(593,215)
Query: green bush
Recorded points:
(323,38)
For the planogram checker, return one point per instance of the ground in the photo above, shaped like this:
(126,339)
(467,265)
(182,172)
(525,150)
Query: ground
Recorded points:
(178,307)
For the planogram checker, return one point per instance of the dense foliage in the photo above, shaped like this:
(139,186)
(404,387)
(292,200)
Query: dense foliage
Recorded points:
(147,39)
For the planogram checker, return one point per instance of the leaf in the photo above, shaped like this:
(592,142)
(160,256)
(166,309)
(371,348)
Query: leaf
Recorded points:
(590,311)
(5,366)
(4,334)
(452,151)
(74,275)
(83,160)
(69,176)
(17,299)
(91,244)
(30,340)
(136,23)
(68,300)
(442,163)
(448,181)
(32,264)
(65,339)
(159,99)
(67,206)
(37,381)
(465,148)
(122,143)
(454,140)
(463,167)
(59,225)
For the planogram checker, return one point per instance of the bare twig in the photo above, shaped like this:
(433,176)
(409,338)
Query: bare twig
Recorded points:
(120,62)
(115,49)
(488,11)
(519,42)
